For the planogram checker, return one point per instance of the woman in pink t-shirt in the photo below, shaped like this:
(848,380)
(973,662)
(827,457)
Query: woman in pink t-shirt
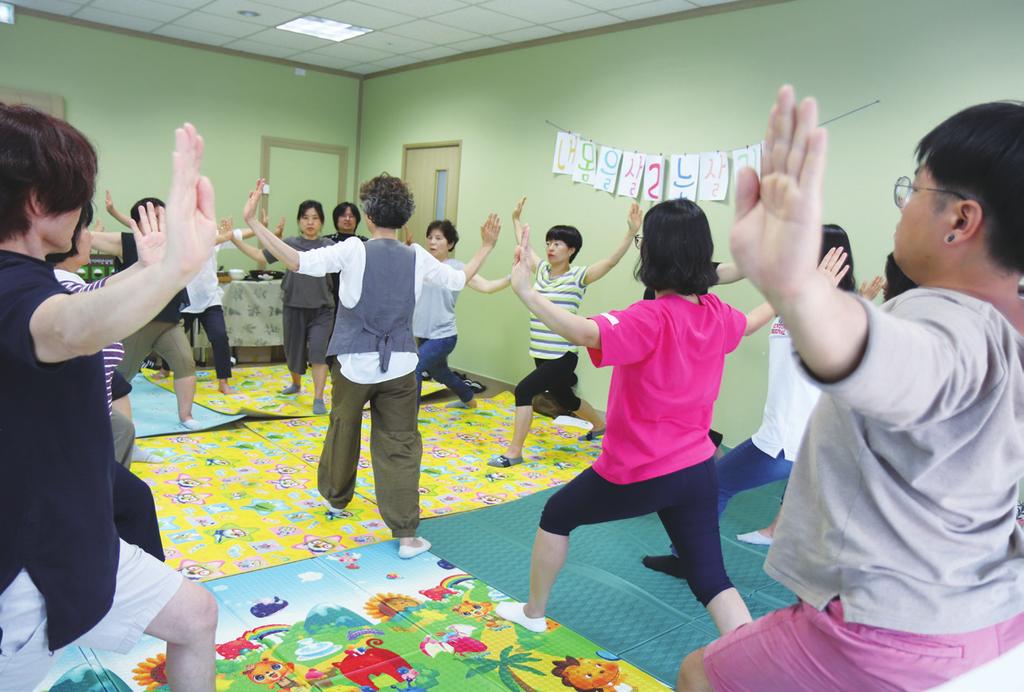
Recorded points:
(656,456)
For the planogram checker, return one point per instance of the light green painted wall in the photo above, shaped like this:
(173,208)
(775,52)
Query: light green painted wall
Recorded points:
(128,94)
(693,85)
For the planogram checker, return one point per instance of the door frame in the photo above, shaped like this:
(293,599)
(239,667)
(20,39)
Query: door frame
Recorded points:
(457,144)
(267,143)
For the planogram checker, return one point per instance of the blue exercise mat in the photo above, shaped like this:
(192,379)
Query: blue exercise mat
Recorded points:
(155,411)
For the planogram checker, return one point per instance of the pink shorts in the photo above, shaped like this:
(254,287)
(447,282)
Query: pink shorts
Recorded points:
(802,648)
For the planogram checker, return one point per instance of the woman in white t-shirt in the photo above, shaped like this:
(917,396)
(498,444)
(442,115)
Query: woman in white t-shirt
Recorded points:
(433,322)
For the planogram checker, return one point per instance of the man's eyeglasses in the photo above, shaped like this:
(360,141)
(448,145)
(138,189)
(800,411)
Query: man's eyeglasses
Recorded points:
(904,188)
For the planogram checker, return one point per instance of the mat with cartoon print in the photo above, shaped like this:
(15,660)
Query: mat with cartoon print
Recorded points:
(258,391)
(364,620)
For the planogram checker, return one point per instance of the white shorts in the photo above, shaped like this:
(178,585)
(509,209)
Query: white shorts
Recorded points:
(144,587)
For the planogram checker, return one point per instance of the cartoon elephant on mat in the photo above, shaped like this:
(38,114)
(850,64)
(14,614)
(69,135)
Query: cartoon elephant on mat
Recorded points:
(363,661)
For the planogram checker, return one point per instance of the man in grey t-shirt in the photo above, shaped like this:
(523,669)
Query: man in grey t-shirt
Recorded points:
(898,529)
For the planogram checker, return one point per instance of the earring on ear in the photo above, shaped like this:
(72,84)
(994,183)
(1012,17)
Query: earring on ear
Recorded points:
(950,238)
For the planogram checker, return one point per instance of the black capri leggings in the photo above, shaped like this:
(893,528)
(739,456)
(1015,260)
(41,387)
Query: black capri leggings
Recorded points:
(212,319)
(557,376)
(686,502)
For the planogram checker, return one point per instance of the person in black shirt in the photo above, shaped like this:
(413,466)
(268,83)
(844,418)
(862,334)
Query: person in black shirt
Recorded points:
(65,576)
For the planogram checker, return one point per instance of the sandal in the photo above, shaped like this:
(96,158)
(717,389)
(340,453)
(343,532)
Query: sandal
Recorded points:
(503,462)
(591,436)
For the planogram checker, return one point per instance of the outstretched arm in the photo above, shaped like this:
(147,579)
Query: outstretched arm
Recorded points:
(66,326)
(578,330)
(728,273)
(518,226)
(118,216)
(288,255)
(489,237)
(598,269)
(482,285)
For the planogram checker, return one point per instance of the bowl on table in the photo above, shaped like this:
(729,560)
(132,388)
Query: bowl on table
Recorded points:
(236,274)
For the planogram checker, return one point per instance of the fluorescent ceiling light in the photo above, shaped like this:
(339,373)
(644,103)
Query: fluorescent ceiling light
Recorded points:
(324,28)
(6,13)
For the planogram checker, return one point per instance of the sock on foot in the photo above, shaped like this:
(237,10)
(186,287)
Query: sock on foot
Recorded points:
(318,407)
(291,389)
(755,537)
(409,551)
(191,424)
(668,564)
(515,612)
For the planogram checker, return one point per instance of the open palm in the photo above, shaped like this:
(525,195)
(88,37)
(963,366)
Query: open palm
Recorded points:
(191,219)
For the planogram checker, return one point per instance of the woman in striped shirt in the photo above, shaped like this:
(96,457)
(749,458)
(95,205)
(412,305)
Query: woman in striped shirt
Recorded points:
(564,284)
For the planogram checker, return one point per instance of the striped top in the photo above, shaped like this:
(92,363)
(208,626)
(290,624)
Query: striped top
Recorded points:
(565,291)
(112,354)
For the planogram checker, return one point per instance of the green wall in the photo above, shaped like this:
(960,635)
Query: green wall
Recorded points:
(127,95)
(700,84)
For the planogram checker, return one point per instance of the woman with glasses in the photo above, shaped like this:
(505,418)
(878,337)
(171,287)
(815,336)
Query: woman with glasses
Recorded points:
(565,284)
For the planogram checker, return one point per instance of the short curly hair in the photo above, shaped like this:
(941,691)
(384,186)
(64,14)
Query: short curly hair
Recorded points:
(387,201)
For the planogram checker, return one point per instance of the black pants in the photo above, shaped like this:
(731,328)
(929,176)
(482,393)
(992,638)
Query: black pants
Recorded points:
(212,319)
(556,376)
(135,512)
(686,502)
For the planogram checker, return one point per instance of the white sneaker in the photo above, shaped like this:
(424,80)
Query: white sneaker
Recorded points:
(754,538)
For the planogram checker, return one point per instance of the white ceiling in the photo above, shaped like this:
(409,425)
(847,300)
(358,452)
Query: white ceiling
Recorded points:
(405,31)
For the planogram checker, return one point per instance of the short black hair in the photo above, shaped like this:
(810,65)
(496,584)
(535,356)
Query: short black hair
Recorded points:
(979,153)
(896,282)
(341,209)
(134,211)
(310,204)
(388,201)
(676,249)
(83,222)
(570,235)
(448,229)
(833,235)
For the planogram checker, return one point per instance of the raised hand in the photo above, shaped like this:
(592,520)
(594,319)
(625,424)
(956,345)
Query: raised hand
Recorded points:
(776,236)
(521,276)
(226,225)
(634,219)
(191,227)
(149,234)
(872,289)
(517,212)
(263,214)
(490,230)
(110,204)
(834,266)
(279,229)
(249,211)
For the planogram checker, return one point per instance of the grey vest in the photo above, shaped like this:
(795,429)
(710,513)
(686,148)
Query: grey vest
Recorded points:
(382,319)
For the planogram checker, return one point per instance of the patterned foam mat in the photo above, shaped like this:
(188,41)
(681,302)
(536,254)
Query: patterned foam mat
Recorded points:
(258,392)
(365,620)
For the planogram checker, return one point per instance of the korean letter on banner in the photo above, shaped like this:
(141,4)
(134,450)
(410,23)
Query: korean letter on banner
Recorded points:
(607,169)
(586,162)
(714,175)
(747,157)
(566,147)
(654,178)
(682,176)
(631,175)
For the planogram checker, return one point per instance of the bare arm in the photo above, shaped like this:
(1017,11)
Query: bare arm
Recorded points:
(107,243)
(255,254)
(288,255)
(489,236)
(482,285)
(728,273)
(759,317)
(518,226)
(67,326)
(776,240)
(118,216)
(578,330)
(598,269)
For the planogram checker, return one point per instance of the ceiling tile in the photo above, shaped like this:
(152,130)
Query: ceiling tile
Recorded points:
(480,20)
(302,6)
(482,43)
(354,54)
(527,34)
(219,25)
(194,35)
(704,3)
(144,9)
(392,43)
(434,53)
(332,61)
(396,61)
(269,15)
(187,4)
(590,21)
(538,11)
(51,6)
(432,32)
(289,39)
(653,9)
(366,68)
(610,4)
(419,8)
(247,46)
(362,14)
(113,19)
